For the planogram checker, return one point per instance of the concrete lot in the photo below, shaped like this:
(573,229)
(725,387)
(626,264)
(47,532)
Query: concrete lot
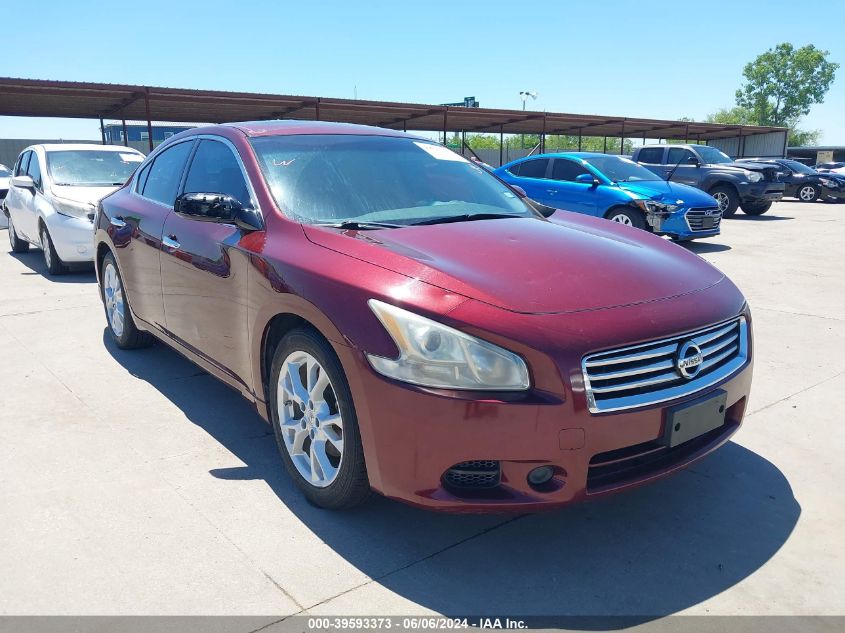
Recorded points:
(133,483)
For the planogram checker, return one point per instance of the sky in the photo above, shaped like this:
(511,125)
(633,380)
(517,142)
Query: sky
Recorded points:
(643,58)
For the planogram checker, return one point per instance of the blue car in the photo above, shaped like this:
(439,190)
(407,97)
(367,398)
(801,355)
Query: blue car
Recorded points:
(616,188)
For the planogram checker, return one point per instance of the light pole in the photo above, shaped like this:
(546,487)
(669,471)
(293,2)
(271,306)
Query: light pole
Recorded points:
(524,94)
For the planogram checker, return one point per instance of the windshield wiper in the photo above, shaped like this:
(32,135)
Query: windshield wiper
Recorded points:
(465,217)
(353,225)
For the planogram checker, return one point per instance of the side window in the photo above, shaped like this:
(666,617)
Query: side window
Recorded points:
(214,169)
(34,170)
(534,168)
(22,164)
(677,154)
(514,169)
(565,169)
(162,182)
(142,178)
(652,155)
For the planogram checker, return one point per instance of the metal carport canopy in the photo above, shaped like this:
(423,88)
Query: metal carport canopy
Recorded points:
(70,99)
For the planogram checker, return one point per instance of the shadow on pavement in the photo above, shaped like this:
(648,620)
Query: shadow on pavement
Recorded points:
(645,553)
(704,247)
(759,218)
(33,259)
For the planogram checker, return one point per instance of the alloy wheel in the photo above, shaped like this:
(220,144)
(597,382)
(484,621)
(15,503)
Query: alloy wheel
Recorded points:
(113,297)
(622,218)
(722,199)
(309,419)
(807,193)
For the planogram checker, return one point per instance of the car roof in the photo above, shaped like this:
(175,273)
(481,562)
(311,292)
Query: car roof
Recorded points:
(283,128)
(670,145)
(581,155)
(67,147)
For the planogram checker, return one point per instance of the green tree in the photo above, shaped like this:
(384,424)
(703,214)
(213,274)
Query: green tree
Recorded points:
(801,138)
(738,115)
(782,83)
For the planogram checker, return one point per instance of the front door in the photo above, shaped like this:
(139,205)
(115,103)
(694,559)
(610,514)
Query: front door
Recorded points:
(204,270)
(687,173)
(568,194)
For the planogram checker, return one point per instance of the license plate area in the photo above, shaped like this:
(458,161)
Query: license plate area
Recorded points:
(688,421)
(708,222)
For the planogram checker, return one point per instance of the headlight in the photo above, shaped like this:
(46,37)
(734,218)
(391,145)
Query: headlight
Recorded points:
(754,176)
(434,355)
(73,208)
(652,206)
(830,184)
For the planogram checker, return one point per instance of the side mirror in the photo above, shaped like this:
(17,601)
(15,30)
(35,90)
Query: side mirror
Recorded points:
(692,160)
(24,182)
(587,179)
(218,207)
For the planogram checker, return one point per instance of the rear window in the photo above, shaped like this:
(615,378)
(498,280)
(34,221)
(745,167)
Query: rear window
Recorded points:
(533,168)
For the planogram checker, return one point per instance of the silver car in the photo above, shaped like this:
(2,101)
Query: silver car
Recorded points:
(53,193)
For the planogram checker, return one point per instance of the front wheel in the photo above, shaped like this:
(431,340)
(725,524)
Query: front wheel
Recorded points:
(55,266)
(18,245)
(809,193)
(626,216)
(756,209)
(315,423)
(121,324)
(726,198)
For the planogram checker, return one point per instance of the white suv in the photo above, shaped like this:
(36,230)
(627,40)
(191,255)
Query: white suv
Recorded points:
(54,192)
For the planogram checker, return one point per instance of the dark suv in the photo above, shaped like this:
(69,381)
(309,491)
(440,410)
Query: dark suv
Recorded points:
(802,182)
(752,187)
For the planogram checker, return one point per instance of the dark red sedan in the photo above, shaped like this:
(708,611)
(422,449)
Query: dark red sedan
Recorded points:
(409,324)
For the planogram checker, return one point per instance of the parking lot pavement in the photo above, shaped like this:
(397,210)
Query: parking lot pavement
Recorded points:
(134,483)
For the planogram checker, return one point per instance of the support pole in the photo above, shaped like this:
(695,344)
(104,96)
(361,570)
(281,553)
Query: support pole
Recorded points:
(102,131)
(317,109)
(125,134)
(579,139)
(605,145)
(686,135)
(622,140)
(501,144)
(445,123)
(149,118)
(543,136)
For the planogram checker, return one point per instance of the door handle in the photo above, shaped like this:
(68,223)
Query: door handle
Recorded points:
(170,241)
(117,222)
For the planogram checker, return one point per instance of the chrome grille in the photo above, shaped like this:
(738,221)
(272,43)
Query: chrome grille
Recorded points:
(696,218)
(649,373)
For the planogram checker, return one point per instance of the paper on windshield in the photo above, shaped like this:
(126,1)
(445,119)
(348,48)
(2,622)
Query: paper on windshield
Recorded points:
(131,158)
(440,153)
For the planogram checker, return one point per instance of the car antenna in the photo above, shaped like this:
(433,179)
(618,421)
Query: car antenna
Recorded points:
(672,172)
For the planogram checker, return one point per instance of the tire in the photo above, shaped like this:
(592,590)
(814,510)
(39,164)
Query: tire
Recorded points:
(626,216)
(808,193)
(727,199)
(121,325)
(18,245)
(329,478)
(756,209)
(55,266)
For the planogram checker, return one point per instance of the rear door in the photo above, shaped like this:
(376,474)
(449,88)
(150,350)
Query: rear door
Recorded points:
(204,271)
(532,176)
(137,222)
(568,194)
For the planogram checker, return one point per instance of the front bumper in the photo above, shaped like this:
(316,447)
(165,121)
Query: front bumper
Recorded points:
(677,225)
(73,238)
(759,192)
(412,437)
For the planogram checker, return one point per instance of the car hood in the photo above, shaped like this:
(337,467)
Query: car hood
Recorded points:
(570,263)
(669,192)
(91,195)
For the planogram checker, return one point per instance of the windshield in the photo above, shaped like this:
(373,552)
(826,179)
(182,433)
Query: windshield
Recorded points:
(711,156)
(620,169)
(800,168)
(91,168)
(350,178)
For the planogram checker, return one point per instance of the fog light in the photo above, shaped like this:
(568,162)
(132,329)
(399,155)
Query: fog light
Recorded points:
(541,475)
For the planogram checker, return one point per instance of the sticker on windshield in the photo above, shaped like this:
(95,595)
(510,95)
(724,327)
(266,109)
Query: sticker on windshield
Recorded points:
(131,158)
(440,153)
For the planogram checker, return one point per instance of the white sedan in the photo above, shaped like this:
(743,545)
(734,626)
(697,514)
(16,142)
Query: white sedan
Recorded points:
(54,192)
